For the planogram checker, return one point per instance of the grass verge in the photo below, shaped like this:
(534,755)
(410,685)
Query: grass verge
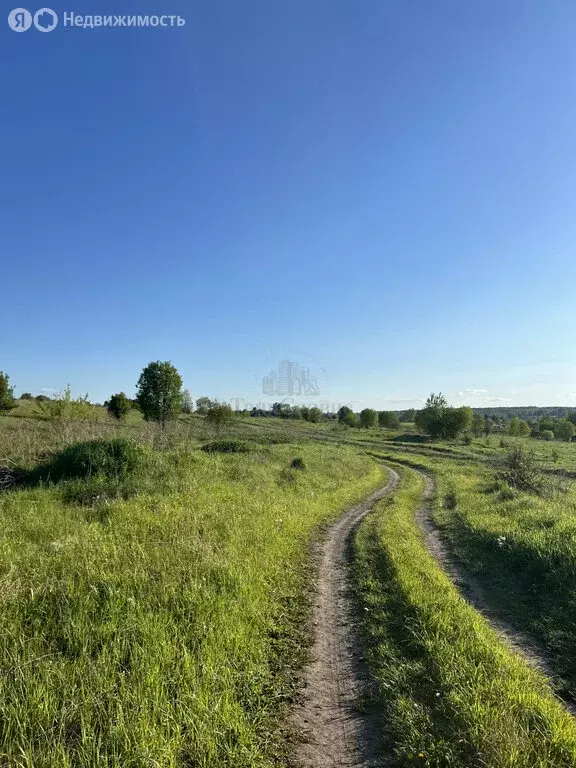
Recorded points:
(451,693)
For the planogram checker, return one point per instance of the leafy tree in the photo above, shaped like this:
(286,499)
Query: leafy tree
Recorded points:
(564,430)
(315,415)
(343,412)
(281,410)
(159,392)
(6,393)
(518,428)
(118,405)
(438,420)
(478,424)
(351,419)
(572,417)
(488,426)
(547,434)
(26,396)
(436,401)
(203,405)
(388,420)
(546,423)
(408,416)
(219,414)
(368,418)
(457,420)
(187,404)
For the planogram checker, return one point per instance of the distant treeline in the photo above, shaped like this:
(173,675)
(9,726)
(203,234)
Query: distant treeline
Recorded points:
(525,412)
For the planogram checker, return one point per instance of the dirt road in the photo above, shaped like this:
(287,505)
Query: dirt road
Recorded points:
(333,730)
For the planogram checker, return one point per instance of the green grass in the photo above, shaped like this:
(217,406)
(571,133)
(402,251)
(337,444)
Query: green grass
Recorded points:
(523,549)
(450,693)
(163,629)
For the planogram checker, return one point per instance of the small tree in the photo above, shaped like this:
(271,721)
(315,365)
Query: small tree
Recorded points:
(368,418)
(438,420)
(6,393)
(351,419)
(203,405)
(478,424)
(219,414)
(388,420)
(547,434)
(159,392)
(26,396)
(564,430)
(315,415)
(518,428)
(521,469)
(187,404)
(118,405)
(343,412)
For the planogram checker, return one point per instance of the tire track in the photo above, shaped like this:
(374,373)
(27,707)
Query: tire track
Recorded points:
(333,732)
(472,590)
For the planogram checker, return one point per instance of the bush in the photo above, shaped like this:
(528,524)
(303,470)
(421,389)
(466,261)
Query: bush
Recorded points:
(68,408)
(115,458)
(368,418)
(547,434)
(118,405)
(298,463)
(388,420)
(226,446)
(6,393)
(219,414)
(520,469)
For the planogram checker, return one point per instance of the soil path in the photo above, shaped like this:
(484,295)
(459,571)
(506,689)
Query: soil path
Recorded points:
(470,588)
(333,730)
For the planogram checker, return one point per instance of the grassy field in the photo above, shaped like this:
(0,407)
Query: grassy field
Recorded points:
(451,694)
(163,629)
(154,612)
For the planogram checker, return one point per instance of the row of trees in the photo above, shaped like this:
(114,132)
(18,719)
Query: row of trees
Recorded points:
(160,397)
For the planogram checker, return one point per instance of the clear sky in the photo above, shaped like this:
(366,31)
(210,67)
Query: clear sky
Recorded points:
(383,188)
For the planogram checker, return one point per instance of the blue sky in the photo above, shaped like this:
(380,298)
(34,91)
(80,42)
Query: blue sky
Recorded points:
(383,189)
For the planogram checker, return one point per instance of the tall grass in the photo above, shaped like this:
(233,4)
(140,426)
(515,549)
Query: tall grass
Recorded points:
(523,548)
(163,629)
(450,692)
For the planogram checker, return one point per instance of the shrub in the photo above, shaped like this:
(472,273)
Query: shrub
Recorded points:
(388,420)
(118,405)
(115,458)
(343,414)
(6,393)
(219,414)
(298,463)
(68,408)
(368,418)
(547,434)
(520,469)
(564,430)
(226,446)
(26,396)
(351,419)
